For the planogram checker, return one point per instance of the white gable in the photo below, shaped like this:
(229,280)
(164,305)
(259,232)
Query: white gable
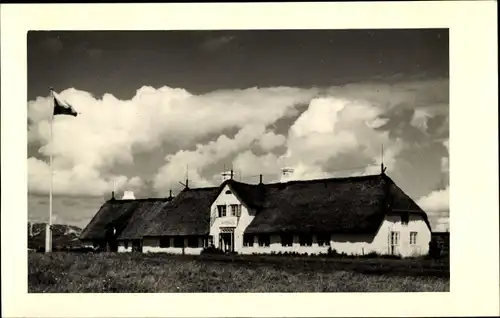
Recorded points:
(236,222)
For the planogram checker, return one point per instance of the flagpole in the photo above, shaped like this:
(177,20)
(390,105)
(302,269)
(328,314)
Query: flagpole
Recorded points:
(48,230)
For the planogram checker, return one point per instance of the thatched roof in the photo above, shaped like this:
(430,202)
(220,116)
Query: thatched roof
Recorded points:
(400,203)
(115,213)
(337,205)
(342,205)
(142,218)
(187,214)
(252,195)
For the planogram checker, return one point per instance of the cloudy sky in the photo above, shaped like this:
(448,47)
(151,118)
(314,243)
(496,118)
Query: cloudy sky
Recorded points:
(152,104)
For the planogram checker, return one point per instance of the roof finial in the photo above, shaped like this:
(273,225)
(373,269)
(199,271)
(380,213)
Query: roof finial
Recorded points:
(232,173)
(114,188)
(382,168)
(170,195)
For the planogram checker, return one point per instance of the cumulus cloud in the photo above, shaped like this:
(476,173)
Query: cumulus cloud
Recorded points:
(77,181)
(442,225)
(445,165)
(195,161)
(446,144)
(328,129)
(270,140)
(322,138)
(423,114)
(420,118)
(340,127)
(436,201)
(328,135)
(445,161)
(110,131)
(334,128)
(269,165)
(437,205)
(432,94)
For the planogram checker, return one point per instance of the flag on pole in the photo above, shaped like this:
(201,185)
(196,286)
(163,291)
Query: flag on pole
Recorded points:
(62,107)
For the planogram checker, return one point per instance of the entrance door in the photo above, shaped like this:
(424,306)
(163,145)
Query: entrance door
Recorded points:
(394,243)
(136,246)
(227,242)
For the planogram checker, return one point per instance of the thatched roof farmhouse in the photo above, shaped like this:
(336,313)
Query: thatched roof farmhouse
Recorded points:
(354,215)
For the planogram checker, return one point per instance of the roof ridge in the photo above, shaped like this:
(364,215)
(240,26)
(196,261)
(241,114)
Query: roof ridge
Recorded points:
(229,181)
(329,179)
(199,189)
(141,199)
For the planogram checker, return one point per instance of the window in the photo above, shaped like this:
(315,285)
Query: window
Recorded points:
(165,241)
(305,240)
(192,241)
(394,238)
(247,240)
(178,241)
(323,239)
(413,238)
(236,210)
(222,210)
(286,239)
(394,243)
(264,240)
(228,192)
(125,244)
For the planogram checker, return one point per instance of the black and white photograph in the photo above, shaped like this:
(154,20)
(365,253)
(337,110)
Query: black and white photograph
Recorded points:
(238,161)
(249,160)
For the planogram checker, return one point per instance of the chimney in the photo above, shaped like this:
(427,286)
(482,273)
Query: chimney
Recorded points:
(170,196)
(286,174)
(128,195)
(112,195)
(226,175)
(260,178)
(232,173)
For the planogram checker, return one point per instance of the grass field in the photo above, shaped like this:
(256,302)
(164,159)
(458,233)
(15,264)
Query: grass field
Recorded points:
(134,273)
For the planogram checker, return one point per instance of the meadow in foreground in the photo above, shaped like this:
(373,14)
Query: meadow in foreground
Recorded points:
(134,273)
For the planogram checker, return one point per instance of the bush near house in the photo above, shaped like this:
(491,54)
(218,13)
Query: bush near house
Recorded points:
(212,250)
(137,272)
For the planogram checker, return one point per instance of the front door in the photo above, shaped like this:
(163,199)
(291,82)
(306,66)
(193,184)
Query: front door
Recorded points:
(227,242)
